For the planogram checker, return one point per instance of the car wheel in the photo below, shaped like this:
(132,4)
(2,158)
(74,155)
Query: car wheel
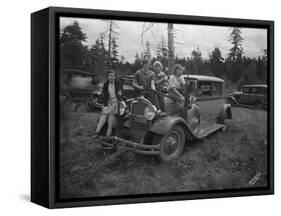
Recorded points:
(225,125)
(171,144)
(259,105)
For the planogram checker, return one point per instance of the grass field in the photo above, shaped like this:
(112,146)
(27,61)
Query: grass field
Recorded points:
(236,158)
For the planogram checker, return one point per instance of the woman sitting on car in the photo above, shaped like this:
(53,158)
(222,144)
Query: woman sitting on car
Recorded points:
(176,84)
(110,94)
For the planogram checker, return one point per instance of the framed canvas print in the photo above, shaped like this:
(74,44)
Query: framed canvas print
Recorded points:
(139,107)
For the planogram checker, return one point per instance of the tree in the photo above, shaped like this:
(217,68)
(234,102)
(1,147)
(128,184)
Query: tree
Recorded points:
(171,48)
(72,50)
(196,61)
(147,51)
(236,52)
(72,32)
(264,56)
(112,33)
(215,56)
(162,49)
(114,57)
(162,52)
(98,56)
(196,55)
(216,62)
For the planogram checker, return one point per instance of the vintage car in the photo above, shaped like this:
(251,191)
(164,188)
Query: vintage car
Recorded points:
(250,95)
(143,129)
(78,87)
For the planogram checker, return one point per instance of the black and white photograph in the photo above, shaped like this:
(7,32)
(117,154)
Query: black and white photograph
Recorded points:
(150,107)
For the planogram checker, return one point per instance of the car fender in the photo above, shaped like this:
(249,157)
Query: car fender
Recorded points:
(164,124)
(232,98)
(194,108)
(225,113)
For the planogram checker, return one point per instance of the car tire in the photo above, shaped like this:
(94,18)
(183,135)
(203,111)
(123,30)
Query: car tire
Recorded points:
(259,105)
(225,125)
(223,119)
(171,144)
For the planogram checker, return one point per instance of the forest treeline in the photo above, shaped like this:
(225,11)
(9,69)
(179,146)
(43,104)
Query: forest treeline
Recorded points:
(236,69)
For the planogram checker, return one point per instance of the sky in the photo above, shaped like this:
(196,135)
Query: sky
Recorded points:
(187,37)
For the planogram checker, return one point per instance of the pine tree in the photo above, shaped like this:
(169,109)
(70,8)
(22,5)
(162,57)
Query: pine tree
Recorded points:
(112,33)
(236,52)
(215,56)
(216,62)
(196,55)
(147,51)
(162,49)
(72,50)
(114,56)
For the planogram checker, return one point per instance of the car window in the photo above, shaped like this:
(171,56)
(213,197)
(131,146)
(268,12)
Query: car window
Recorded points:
(254,90)
(217,89)
(245,90)
(260,90)
(192,87)
(127,81)
(204,89)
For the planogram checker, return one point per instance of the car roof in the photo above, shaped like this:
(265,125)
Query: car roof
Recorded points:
(203,78)
(257,85)
(77,72)
(127,76)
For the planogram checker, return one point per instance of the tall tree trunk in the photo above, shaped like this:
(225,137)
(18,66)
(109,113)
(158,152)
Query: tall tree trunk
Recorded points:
(171,54)
(109,42)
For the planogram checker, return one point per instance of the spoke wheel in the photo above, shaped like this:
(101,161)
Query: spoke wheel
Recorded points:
(171,144)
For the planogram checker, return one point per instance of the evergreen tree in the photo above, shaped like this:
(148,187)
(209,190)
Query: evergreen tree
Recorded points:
(147,51)
(215,56)
(98,57)
(196,55)
(112,33)
(114,56)
(196,61)
(236,52)
(72,50)
(216,62)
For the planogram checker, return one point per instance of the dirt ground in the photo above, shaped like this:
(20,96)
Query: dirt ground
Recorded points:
(236,158)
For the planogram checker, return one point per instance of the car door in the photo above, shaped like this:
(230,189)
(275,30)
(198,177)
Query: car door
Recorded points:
(204,93)
(216,101)
(245,96)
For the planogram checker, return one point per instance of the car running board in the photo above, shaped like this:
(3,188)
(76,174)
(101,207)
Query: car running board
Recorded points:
(203,132)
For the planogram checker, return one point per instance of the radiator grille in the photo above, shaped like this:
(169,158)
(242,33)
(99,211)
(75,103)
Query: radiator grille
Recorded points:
(138,122)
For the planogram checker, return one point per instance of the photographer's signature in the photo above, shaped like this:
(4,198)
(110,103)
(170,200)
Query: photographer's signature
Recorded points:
(255,179)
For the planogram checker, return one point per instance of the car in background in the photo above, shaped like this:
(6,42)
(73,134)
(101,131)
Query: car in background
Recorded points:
(80,88)
(250,95)
(141,128)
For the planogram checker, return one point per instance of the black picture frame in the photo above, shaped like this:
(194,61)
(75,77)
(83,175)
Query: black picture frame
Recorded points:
(45,110)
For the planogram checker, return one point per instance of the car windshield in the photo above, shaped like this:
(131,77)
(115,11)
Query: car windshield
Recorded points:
(205,89)
(192,87)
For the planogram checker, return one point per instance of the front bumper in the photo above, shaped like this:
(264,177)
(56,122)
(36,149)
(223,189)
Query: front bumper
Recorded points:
(117,142)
